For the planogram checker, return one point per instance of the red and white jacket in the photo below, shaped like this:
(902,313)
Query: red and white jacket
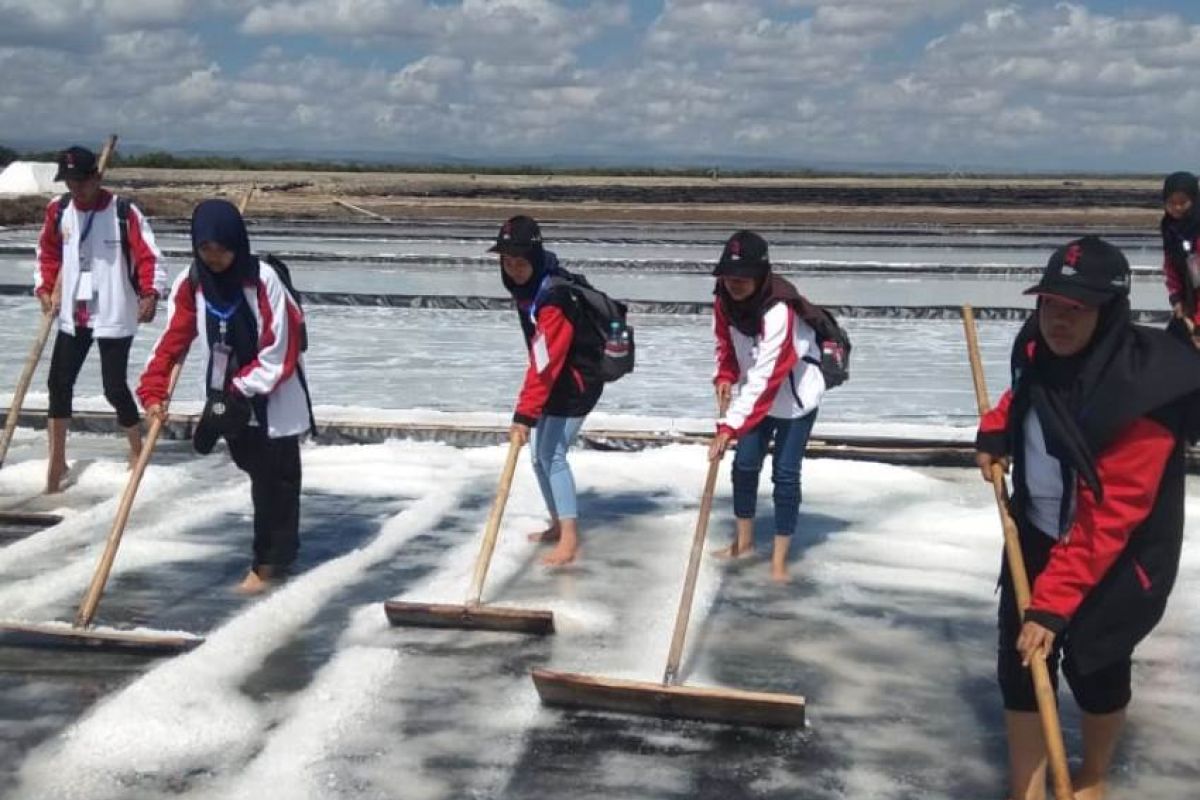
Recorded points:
(777,373)
(1130,469)
(113,302)
(273,373)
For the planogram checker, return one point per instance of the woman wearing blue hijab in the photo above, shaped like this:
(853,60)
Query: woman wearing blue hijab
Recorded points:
(256,398)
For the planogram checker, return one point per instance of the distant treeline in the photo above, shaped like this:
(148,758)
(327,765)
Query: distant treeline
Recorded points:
(160,160)
(165,160)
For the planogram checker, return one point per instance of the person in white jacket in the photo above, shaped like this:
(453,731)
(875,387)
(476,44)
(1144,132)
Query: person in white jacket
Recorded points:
(769,385)
(97,251)
(252,330)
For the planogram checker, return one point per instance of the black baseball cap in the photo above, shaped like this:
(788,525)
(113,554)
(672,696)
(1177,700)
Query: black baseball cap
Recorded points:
(744,256)
(76,162)
(1088,272)
(518,236)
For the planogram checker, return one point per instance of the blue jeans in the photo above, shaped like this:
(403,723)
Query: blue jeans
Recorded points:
(791,437)
(552,438)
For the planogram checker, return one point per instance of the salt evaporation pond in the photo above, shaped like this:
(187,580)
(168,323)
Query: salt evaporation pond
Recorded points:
(887,627)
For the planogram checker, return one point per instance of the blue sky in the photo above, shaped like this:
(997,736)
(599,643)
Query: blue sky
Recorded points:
(941,84)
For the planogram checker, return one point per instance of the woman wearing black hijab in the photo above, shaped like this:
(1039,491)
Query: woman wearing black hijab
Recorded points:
(1095,424)
(256,396)
(1180,227)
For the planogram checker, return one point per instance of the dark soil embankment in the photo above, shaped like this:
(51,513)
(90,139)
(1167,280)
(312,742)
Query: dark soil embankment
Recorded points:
(741,194)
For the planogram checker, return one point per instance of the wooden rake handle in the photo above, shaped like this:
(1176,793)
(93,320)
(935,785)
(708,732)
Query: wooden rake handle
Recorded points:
(490,533)
(1044,691)
(18,398)
(671,673)
(91,599)
(39,342)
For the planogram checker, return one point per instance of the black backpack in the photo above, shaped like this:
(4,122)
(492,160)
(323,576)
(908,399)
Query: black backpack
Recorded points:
(608,318)
(285,275)
(123,205)
(833,341)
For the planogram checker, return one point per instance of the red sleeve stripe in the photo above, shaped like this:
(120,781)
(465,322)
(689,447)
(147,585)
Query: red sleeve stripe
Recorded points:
(145,258)
(728,370)
(278,343)
(172,344)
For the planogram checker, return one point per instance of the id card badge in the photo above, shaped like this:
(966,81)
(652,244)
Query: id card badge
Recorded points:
(541,356)
(220,366)
(83,291)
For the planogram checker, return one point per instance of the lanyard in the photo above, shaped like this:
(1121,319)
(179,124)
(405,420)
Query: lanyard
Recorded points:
(87,226)
(85,265)
(533,307)
(223,315)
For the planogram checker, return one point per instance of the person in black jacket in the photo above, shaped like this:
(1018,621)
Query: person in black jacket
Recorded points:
(562,383)
(1095,424)
(1180,228)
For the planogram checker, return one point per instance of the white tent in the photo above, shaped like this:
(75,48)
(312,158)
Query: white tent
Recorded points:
(30,177)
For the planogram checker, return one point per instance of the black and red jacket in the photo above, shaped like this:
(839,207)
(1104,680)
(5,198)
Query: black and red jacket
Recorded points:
(1108,577)
(565,350)
(1179,237)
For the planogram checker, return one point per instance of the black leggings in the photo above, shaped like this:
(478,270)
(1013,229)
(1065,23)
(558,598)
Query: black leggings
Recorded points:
(274,469)
(67,360)
(1102,691)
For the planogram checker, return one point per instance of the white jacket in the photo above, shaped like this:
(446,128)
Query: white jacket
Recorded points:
(776,373)
(275,372)
(114,302)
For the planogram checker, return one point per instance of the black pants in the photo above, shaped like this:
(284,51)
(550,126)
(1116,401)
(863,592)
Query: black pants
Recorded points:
(1102,691)
(274,469)
(66,361)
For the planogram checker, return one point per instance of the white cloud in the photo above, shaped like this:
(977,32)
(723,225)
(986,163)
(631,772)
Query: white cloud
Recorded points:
(855,80)
(142,13)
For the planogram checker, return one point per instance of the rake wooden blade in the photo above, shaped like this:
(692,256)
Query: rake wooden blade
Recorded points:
(734,706)
(470,617)
(62,635)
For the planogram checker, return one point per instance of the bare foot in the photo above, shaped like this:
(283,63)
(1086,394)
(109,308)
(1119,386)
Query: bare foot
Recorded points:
(253,584)
(549,536)
(733,552)
(779,558)
(56,474)
(561,555)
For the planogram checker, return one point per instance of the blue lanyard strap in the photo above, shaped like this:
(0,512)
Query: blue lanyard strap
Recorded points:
(222,314)
(533,307)
(87,226)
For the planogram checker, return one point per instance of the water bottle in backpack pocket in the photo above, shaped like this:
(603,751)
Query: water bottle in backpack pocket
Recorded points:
(618,351)
(833,341)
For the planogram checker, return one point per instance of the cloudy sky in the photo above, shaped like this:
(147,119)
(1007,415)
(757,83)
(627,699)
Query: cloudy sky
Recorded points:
(952,84)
